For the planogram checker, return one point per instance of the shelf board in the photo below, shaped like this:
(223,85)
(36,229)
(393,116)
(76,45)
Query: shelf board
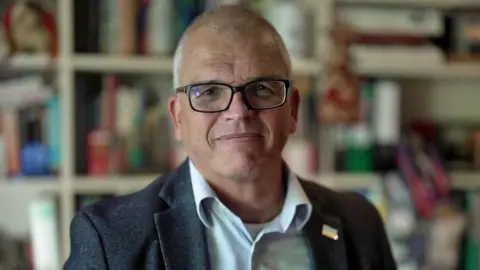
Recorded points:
(40,184)
(447,71)
(155,65)
(137,64)
(30,62)
(337,181)
(442,4)
(346,181)
(91,185)
(125,184)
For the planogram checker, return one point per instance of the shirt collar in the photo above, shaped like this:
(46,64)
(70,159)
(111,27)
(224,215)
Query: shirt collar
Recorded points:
(295,213)
(297,208)
(201,192)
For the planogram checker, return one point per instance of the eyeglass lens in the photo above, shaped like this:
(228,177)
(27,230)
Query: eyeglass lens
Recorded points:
(217,97)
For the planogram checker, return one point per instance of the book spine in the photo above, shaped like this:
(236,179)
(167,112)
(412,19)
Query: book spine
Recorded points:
(43,231)
(53,132)
(12,141)
(3,159)
(160,29)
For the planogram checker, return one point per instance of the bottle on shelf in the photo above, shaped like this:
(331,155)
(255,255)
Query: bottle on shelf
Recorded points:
(35,157)
(386,124)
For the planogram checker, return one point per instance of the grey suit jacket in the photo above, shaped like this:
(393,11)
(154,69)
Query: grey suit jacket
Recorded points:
(158,228)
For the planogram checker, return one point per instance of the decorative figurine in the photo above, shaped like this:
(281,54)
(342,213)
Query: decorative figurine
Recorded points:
(340,102)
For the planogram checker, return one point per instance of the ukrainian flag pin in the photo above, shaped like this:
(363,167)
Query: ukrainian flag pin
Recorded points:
(330,232)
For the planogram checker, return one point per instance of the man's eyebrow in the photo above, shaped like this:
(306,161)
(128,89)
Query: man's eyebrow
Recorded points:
(210,82)
(252,79)
(266,78)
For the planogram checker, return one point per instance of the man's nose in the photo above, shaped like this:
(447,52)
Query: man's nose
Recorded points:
(237,110)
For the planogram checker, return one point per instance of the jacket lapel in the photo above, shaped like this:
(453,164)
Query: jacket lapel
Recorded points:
(180,232)
(325,235)
(152,256)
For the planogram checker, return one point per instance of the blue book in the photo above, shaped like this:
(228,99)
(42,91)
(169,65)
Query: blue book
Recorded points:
(54,131)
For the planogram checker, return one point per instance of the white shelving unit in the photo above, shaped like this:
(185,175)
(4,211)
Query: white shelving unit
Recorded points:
(426,71)
(49,185)
(442,4)
(152,65)
(67,185)
(127,184)
(32,62)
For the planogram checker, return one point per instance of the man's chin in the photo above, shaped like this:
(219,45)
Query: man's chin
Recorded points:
(238,168)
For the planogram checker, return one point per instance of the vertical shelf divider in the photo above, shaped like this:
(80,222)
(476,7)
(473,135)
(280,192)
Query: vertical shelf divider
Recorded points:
(66,90)
(323,21)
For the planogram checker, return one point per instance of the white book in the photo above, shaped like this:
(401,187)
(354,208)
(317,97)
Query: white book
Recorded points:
(109,34)
(23,91)
(160,27)
(44,234)
(128,104)
(371,56)
(394,20)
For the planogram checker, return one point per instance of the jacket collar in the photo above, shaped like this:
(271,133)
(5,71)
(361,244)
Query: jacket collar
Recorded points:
(181,233)
(324,230)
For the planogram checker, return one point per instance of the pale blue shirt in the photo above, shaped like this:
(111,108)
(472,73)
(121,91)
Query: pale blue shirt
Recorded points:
(234,245)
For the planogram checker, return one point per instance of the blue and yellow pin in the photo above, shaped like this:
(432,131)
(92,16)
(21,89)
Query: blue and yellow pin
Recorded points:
(330,232)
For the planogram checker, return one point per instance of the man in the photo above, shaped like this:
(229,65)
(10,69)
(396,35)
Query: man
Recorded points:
(233,204)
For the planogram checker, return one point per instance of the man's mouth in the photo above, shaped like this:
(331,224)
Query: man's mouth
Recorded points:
(239,136)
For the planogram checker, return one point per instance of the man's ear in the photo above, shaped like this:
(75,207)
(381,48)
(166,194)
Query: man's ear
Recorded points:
(174,111)
(294,109)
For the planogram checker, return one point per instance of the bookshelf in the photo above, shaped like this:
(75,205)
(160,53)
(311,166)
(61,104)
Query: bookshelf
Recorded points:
(40,185)
(152,65)
(424,71)
(302,67)
(32,62)
(67,184)
(131,65)
(443,4)
(126,184)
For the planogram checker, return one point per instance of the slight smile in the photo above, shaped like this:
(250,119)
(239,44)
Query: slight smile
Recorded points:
(240,136)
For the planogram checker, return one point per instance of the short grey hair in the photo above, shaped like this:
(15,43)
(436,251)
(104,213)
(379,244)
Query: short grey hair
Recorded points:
(177,61)
(232,21)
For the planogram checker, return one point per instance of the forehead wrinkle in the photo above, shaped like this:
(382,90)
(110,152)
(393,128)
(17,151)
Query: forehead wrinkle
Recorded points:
(205,53)
(204,65)
(275,68)
(258,68)
(217,74)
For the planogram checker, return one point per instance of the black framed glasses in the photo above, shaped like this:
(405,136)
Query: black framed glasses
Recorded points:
(217,97)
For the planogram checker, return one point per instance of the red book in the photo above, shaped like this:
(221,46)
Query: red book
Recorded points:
(98,148)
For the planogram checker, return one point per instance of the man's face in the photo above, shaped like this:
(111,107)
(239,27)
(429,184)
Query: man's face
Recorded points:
(237,142)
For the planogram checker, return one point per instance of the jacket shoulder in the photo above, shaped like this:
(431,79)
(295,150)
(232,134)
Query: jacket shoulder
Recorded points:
(123,225)
(125,207)
(348,206)
(362,224)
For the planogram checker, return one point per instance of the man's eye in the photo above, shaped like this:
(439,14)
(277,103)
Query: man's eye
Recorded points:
(263,89)
(210,91)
